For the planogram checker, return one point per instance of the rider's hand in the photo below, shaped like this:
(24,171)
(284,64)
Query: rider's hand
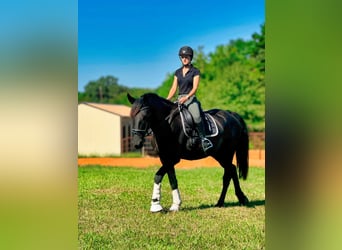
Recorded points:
(183,99)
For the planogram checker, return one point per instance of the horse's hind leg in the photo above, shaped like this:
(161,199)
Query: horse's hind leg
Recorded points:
(226,180)
(243,200)
(231,173)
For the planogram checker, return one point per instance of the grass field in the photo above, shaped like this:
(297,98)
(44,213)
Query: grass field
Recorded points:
(114,211)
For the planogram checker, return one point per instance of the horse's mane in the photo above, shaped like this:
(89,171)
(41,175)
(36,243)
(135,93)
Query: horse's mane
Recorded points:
(150,99)
(153,98)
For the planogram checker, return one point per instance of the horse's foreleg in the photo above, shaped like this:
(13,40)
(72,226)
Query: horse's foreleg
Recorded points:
(156,194)
(243,200)
(226,181)
(176,199)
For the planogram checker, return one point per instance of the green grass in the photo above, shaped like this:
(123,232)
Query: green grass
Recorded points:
(114,211)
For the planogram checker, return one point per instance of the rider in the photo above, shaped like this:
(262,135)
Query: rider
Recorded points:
(187,79)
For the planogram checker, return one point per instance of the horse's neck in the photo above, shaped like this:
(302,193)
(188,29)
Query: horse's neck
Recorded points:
(161,121)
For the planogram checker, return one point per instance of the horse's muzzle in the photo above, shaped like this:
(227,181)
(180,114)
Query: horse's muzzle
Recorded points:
(138,142)
(138,146)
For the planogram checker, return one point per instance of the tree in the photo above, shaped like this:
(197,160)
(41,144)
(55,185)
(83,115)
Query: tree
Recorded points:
(102,90)
(107,90)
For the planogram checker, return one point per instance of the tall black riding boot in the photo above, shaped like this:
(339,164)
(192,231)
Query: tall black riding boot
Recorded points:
(206,143)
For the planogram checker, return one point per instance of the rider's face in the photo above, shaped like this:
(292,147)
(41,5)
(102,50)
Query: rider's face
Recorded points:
(185,59)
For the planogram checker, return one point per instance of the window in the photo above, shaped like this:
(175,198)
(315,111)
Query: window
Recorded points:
(123,131)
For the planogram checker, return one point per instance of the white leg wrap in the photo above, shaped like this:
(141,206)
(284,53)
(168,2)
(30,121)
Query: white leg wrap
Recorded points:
(156,196)
(176,200)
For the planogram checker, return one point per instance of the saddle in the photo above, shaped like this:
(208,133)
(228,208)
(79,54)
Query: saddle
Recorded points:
(189,126)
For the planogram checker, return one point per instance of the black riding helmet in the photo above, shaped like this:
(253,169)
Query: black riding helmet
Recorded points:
(186,51)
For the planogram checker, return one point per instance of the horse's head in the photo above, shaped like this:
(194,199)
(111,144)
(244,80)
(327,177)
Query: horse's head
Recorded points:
(141,114)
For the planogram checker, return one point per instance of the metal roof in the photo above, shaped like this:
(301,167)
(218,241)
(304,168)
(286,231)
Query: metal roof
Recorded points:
(117,109)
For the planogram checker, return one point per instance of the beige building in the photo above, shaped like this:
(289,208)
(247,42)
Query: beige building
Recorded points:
(103,129)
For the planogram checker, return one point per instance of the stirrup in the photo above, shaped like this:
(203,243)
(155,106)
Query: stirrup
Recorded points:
(206,144)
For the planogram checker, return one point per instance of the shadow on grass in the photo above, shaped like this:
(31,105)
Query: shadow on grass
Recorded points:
(251,204)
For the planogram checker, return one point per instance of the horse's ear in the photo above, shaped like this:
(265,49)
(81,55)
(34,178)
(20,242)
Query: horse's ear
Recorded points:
(131,99)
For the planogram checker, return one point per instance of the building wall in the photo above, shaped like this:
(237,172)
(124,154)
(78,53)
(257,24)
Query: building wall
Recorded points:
(99,132)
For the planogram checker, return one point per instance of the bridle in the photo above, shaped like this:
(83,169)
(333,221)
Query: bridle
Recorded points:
(142,132)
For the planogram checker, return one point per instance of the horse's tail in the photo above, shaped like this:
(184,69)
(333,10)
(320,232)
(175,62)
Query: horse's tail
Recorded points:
(242,151)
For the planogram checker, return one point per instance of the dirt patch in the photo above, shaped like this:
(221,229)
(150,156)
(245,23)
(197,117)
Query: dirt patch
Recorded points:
(256,159)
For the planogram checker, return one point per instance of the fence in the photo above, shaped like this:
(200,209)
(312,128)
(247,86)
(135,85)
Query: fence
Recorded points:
(126,145)
(148,148)
(257,140)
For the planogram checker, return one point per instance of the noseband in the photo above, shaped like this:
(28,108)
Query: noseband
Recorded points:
(140,132)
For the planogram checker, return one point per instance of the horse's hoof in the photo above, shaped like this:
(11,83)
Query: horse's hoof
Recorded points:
(174,208)
(244,201)
(219,205)
(155,208)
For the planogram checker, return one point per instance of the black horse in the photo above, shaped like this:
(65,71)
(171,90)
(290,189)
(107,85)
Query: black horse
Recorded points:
(163,117)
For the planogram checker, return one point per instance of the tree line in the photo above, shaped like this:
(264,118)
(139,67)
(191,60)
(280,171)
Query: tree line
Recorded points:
(232,78)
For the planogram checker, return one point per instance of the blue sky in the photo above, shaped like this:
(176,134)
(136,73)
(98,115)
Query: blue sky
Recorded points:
(138,41)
